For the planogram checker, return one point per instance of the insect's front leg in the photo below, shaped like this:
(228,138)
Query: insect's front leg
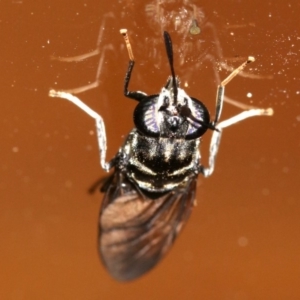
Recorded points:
(101,133)
(136,95)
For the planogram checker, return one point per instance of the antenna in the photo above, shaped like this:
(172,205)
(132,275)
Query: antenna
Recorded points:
(169,49)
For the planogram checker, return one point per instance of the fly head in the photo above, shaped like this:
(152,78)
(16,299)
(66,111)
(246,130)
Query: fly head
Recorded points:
(172,113)
(160,116)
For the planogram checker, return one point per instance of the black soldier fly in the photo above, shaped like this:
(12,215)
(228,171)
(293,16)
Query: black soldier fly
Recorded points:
(151,192)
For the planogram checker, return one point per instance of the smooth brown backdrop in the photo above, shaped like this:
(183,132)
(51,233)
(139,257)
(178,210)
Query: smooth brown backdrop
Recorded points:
(243,239)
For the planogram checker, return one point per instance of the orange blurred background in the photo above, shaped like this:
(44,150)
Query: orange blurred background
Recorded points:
(243,239)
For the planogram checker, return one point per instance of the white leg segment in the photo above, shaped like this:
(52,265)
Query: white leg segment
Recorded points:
(101,133)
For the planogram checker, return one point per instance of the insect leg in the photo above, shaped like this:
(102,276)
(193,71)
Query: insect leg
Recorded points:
(101,133)
(231,101)
(136,95)
(221,87)
(216,137)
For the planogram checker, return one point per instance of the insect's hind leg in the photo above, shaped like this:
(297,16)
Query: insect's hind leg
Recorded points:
(101,133)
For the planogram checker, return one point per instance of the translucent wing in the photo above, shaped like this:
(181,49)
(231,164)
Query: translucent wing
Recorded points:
(136,232)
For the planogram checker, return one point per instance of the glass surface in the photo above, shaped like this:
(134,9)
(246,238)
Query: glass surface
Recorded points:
(243,238)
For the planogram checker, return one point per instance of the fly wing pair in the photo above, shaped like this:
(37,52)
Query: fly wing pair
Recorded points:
(135,231)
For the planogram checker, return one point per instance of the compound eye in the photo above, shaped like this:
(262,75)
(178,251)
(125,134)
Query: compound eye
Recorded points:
(146,116)
(197,116)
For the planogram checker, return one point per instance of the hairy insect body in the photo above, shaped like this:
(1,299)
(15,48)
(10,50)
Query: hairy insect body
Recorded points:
(160,164)
(151,192)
